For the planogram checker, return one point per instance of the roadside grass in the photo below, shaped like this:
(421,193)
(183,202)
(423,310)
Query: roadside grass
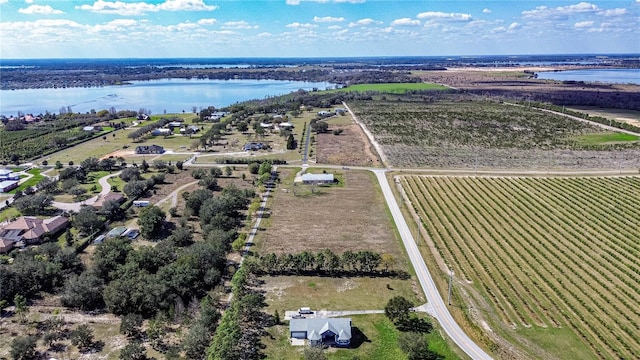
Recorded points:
(606,138)
(391,88)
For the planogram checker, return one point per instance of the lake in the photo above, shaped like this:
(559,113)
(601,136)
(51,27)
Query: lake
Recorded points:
(170,95)
(618,76)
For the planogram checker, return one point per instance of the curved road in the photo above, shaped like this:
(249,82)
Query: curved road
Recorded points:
(438,306)
(106,188)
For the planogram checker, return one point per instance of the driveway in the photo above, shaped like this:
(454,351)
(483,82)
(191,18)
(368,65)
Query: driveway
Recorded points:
(106,188)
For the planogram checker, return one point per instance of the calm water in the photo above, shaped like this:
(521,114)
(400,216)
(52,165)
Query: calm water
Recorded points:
(172,95)
(619,76)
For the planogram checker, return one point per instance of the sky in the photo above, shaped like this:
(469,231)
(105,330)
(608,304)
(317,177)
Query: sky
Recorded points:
(314,28)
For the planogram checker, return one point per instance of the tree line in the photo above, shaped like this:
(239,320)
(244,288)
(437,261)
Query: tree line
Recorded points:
(326,262)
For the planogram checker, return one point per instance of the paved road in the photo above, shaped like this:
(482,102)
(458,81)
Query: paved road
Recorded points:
(440,311)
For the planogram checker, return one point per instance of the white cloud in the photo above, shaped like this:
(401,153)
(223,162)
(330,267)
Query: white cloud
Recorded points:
(29,1)
(431,15)
(297,25)
(486,11)
(116,25)
(327,19)
(41,10)
(514,26)
(207,21)
(334,27)
(583,24)
(613,12)
(238,25)
(139,8)
(3,1)
(561,11)
(265,34)
(365,22)
(186,26)
(405,22)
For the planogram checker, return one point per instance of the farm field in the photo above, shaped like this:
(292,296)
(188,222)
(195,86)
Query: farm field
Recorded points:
(556,258)
(352,217)
(454,131)
(392,88)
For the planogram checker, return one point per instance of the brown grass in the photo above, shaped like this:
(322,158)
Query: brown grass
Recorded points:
(350,148)
(352,217)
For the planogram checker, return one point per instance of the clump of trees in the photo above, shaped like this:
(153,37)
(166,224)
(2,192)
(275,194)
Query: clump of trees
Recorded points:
(413,329)
(325,262)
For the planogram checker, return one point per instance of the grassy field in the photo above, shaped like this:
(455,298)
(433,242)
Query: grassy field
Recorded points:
(392,88)
(555,258)
(454,131)
(352,217)
(606,138)
(32,181)
(380,342)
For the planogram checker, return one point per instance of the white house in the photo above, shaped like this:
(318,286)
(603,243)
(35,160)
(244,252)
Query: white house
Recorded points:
(317,178)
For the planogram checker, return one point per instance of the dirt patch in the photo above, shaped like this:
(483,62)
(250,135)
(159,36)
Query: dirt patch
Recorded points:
(119,153)
(352,217)
(350,148)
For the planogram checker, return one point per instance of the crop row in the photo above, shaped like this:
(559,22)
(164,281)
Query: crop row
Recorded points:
(546,251)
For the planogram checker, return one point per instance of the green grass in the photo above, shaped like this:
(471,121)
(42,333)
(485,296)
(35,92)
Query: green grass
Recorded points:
(34,180)
(9,213)
(605,138)
(392,88)
(381,341)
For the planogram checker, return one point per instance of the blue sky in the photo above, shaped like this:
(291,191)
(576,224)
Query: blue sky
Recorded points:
(312,28)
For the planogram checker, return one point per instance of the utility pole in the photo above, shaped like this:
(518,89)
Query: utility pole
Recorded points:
(450,284)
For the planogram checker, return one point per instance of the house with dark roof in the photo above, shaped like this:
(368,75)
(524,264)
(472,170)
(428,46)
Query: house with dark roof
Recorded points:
(149,149)
(330,332)
(32,230)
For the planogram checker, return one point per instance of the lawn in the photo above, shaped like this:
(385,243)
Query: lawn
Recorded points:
(392,88)
(606,138)
(33,181)
(549,263)
(376,338)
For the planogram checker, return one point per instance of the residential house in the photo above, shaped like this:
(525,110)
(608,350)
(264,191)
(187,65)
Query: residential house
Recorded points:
(8,185)
(253,146)
(143,117)
(6,174)
(108,197)
(32,230)
(318,178)
(329,332)
(116,232)
(149,149)
(6,245)
(89,128)
(162,132)
(285,125)
(191,129)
